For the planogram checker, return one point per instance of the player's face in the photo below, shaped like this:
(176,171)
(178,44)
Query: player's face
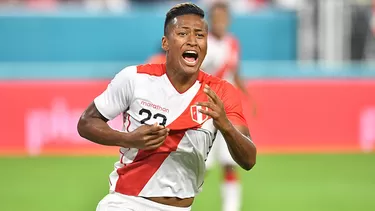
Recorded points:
(219,21)
(186,43)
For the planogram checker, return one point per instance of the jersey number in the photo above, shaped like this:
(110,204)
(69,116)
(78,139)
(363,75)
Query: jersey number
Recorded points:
(155,116)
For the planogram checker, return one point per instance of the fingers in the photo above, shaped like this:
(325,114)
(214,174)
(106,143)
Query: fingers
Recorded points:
(155,143)
(156,137)
(214,101)
(149,137)
(214,104)
(212,113)
(211,94)
(157,129)
(209,105)
(154,128)
(157,134)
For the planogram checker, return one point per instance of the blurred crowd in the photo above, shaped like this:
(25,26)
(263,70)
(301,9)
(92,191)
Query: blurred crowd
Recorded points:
(330,30)
(123,5)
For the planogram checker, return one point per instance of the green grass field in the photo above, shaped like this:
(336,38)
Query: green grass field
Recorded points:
(277,182)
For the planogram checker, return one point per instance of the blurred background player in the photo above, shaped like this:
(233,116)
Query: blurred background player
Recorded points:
(222,60)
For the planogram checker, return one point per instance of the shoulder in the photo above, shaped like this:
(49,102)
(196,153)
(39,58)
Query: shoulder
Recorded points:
(151,69)
(126,74)
(220,86)
(157,59)
(130,72)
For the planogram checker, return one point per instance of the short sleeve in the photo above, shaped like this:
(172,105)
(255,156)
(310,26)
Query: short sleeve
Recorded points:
(233,105)
(118,95)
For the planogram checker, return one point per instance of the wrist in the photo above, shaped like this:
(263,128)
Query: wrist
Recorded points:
(121,139)
(227,128)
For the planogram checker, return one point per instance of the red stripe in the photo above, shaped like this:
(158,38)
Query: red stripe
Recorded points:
(152,69)
(134,177)
(127,128)
(185,120)
(122,156)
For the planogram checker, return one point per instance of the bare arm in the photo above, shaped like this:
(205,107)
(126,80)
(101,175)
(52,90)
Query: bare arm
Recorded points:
(93,126)
(112,102)
(241,148)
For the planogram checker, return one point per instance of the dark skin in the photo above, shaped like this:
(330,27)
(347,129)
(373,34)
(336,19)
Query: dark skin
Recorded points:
(187,32)
(93,126)
(237,138)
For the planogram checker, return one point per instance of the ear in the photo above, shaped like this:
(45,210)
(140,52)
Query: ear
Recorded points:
(164,43)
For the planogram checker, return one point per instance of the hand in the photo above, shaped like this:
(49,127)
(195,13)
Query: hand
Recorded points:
(148,137)
(216,110)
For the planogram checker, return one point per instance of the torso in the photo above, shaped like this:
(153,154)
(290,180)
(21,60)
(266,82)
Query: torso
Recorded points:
(174,173)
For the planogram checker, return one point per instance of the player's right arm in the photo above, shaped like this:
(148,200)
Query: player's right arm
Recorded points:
(93,126)
(227,115)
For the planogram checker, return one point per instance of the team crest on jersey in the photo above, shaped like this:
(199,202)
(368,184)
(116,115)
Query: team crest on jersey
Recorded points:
(197,116)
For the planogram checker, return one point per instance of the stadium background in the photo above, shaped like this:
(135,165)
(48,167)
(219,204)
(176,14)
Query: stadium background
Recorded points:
(314,122)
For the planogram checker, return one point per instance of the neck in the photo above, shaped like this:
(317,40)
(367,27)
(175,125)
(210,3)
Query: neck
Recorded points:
(181,81)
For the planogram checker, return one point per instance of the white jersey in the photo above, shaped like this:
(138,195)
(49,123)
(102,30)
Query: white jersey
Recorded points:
(222,57)
(144,95)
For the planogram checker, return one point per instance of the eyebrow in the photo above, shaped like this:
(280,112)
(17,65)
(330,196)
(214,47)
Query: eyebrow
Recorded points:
(195,29)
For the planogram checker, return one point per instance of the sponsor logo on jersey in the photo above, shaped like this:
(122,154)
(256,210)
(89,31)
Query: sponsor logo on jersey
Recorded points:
(154,106)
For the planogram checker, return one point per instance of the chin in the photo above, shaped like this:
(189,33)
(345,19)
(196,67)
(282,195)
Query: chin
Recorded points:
(189,69)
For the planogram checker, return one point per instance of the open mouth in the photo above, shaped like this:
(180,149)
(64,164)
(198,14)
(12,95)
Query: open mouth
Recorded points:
(190,57)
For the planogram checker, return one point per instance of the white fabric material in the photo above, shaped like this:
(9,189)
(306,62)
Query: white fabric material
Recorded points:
(119,202)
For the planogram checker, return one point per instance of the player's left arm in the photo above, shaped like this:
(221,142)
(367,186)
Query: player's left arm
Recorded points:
(228,118)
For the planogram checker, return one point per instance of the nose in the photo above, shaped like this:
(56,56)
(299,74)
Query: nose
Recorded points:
(192,40)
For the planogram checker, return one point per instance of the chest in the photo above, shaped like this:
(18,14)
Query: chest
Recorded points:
(155,100)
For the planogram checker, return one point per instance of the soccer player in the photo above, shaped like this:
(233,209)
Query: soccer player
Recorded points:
(171,113)
(222,60)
